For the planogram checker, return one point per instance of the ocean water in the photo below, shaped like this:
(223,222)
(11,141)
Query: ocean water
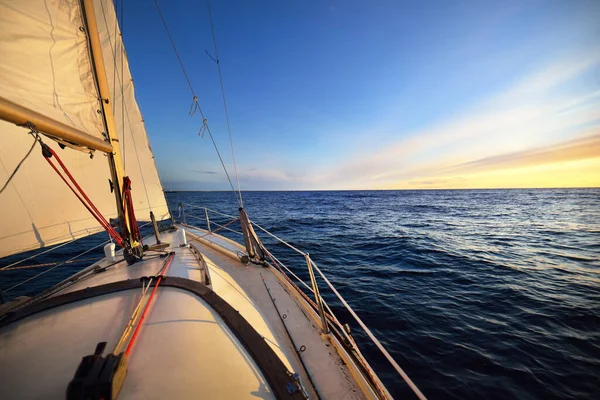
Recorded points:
(476,293)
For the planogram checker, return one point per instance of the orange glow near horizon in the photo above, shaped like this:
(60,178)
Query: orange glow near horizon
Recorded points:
(569,174)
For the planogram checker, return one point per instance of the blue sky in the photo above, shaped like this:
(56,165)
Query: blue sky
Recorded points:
(370,95)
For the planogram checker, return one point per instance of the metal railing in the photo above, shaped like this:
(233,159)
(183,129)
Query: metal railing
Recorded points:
(326,314)
(16,265)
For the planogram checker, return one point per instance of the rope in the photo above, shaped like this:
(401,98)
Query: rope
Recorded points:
(80,194)
(212,27)
(219,225)
(330,316)
(137,310)
(387,355)
(53,268)
(195,236)
(128,205)
(394,364)
(43,265)
(9,267)
(187,79)
(139,324)
(12,175)
(208,209)
(218,229)
(38,254)
(131,322)
(222,163)
(195,104)
(279,239)
(228,229)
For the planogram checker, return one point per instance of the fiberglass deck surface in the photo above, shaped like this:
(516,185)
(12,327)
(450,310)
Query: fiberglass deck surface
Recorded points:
(185,349)
(328,373)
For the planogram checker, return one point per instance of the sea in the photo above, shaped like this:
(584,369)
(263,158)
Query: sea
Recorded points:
(476,293)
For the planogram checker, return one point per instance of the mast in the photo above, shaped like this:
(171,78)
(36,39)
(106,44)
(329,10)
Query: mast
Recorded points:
(115,160)
(49,85)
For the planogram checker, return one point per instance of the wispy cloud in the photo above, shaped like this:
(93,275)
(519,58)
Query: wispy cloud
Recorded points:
(506,129)
(551,115)
(581,148)
(449,181)
(204,172)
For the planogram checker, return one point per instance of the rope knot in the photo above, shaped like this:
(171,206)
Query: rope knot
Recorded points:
(195,106)
(203,128)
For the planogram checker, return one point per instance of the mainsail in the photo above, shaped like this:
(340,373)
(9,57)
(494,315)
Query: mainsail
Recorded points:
(46,66)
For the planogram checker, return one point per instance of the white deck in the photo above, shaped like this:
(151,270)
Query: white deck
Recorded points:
(185,349)
(39,355)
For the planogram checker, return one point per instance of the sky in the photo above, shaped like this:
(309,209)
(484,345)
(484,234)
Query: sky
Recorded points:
(332,94)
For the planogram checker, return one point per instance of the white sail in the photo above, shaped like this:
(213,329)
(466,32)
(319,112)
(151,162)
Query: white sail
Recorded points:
(45,63)
(137,154)
(45,66)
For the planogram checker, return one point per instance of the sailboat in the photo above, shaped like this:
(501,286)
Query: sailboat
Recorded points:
(182,313)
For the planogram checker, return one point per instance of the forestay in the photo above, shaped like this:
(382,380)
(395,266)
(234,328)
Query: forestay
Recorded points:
(46,66)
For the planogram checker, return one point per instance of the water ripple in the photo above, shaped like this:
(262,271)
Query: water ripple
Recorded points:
(476,293)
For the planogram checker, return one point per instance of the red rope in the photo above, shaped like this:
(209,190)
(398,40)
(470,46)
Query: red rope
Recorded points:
(83,198)
(147,307)
(128,205)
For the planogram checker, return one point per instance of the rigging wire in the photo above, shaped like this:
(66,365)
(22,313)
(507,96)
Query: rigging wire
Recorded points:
(222,163)
(56,266)
(12,175)
(196,104)
(187,79)
(217,61)
(48,264)
(38,254)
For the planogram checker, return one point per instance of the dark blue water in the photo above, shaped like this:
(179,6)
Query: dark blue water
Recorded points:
(476,293)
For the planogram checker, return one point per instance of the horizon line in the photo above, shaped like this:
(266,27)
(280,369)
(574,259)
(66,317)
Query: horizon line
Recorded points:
(382,190)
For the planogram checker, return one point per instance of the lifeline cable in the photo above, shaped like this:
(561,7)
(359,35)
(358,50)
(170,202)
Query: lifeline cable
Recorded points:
(53,268)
